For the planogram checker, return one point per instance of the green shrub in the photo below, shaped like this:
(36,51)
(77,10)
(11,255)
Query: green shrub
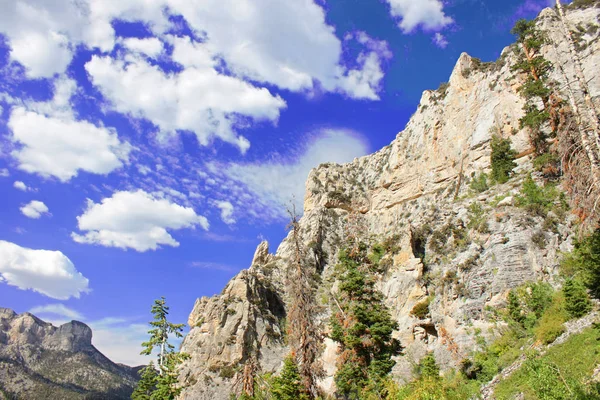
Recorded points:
(528,302)
(551,324)
(577,300)
(479,184)
(584,263)
(539,200)
(428,368)
(421,309)
(477,218)
(502,158)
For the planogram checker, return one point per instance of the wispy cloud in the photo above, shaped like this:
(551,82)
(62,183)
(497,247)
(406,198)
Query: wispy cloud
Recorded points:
(212,266)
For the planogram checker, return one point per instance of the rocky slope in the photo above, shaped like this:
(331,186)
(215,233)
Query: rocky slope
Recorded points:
(409,194)
(39,360)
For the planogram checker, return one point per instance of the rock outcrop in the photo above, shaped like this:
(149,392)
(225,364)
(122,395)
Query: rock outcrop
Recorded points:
(39,360)
(417,184)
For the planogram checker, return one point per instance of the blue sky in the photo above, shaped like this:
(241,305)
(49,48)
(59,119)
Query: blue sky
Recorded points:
(146,147)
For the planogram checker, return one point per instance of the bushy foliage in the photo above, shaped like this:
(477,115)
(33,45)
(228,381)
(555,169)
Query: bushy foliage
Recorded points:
(584,263)
(479,184)
(537,85)
(539,200)
(363,327)
(477,218)
(288,385)
(551,324)
(421,309)
(428,368)
(577,300)
(502,158)
(147,383)
(528,302)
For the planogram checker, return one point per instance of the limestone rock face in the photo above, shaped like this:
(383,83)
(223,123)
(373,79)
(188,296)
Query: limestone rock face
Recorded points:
(39,360)
(417,183)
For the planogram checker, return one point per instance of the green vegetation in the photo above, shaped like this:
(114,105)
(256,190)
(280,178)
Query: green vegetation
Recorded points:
(421,309)
(584,263)
(162,384)
(559,374)
(539,200)
(362,325)
(503,159)
(577,300)
(479,184)
(537,83)
(288,385)
(477,218)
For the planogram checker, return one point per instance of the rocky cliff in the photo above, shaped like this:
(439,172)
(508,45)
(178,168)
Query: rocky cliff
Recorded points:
(39,360)
(413,195)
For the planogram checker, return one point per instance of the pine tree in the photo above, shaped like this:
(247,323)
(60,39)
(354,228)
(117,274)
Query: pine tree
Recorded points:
(428,367)
(537,84)
(577,301)
(147,384)
(363,327)
(502,159)
(288,385)
(165,382)
(304,330)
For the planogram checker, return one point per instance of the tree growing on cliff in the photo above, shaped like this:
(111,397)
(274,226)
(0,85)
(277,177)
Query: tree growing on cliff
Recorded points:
(161,384)
(304,329)
(502,159)
(362,325)
(536,86)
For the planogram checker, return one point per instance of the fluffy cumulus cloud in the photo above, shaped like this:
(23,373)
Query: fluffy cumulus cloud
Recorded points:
(19,185)
(135,220)
(151,47)
(47,272)
(429,15)
(44,36)
(198,99)
(269,187)
(51,142)
(34,209)
(4,173)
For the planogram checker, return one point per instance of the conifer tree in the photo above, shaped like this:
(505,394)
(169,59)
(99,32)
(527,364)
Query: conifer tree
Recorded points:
(502,159)
(147,384)
(288,385)
(165,381)
(304,330)
(536,86)
(363,327)
(577,301)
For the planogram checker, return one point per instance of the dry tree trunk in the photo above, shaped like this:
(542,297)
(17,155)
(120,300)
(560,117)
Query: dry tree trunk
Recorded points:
(589,117)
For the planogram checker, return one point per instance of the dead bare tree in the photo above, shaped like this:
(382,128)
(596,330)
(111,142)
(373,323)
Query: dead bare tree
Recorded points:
(304,328)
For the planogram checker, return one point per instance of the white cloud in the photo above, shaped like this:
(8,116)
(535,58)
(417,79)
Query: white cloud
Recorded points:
(20,186)
(120,341)
(43,34)
(198,99)
(34,209)
(63,147)
(152,47)
(427,14)
(226,212)
(135,220)
(212,266)
(271,186)
(440,40)
(57,309)
(4,173)
(47,272)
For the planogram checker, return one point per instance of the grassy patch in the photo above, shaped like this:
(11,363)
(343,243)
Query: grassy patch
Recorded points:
(559,374)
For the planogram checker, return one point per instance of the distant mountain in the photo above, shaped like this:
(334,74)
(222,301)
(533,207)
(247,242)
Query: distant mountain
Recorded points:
(41,361)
